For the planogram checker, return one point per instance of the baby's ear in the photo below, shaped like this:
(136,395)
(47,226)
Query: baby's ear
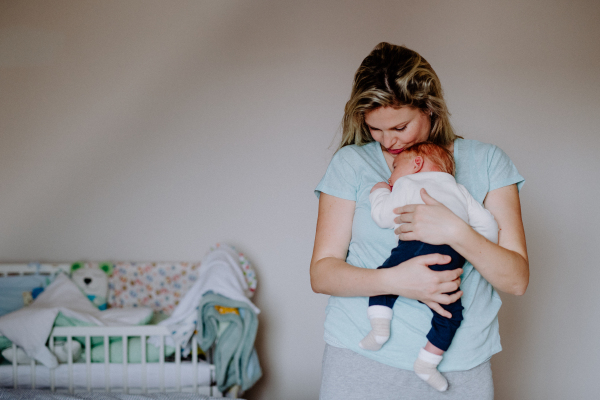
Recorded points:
(418,163)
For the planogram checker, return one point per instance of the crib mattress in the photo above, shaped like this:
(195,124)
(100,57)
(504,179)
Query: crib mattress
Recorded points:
(134,374)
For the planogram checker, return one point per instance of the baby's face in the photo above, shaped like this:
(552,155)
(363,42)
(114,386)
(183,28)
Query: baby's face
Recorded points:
(403,165)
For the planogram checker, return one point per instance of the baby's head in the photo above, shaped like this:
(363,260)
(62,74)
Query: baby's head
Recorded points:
(422,157)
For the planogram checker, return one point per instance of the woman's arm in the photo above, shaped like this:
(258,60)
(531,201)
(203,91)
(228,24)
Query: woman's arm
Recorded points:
(330,274)
(504,265)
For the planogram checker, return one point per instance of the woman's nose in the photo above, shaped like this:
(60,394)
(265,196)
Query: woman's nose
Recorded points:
(389,139)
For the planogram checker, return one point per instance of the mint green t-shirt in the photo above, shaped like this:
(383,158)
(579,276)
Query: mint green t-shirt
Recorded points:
(351,174)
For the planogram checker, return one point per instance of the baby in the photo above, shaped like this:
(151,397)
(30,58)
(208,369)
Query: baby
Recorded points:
(423,165)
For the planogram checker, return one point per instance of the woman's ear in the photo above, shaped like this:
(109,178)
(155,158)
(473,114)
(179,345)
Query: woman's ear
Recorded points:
(418,164)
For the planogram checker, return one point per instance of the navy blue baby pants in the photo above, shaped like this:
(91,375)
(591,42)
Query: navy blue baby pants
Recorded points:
(442,328)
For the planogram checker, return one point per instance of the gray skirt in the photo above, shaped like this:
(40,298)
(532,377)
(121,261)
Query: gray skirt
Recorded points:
(347,375)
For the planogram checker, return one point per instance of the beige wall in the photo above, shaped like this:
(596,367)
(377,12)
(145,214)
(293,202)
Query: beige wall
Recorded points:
(148,130)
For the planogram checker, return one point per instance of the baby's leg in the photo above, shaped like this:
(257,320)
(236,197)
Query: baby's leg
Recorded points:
(440,336)
(426,367)
(380,316)
(380,307)
(442,330)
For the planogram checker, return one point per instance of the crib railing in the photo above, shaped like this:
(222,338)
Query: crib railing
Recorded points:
(125,333)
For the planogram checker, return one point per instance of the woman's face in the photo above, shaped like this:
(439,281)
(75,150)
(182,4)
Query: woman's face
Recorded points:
(397,128)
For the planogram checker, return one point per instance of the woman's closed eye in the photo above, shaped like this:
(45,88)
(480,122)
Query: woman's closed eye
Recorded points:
(397,129)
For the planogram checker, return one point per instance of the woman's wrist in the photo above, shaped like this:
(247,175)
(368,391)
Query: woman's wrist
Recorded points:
(385,281)
(468,241)
(459,234)
(393,281)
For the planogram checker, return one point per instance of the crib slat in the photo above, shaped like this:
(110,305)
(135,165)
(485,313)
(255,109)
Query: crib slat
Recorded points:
(144,386)
(88,362)
(125,379)
(212,380)
(161,359)
(106,365)
(52,376)
(213,377)
(32,373)
(14,366)
(70,361)
(195,362)
(178,365)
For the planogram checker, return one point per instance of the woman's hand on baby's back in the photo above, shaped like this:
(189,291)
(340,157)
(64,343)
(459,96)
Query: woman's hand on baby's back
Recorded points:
(432,222)
(414,279)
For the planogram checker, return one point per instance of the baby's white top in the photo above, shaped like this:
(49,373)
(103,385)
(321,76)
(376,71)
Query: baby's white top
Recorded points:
(442,187)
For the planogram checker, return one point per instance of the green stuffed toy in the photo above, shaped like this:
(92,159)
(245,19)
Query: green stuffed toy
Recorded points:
(92,279)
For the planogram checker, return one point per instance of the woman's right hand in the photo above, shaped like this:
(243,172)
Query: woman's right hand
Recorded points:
(414,279)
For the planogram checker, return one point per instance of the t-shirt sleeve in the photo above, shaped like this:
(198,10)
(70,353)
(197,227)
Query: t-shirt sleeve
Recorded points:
(340,179)
(501,170)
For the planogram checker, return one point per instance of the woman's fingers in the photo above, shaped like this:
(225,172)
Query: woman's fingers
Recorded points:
(409,208)
(451,275)
(449,282)
(438,309)
(449,287)
(406,237)
(444,299)
(427,198)
(405,214)
(454,297)
(434,259)
(448,298)
(405,230)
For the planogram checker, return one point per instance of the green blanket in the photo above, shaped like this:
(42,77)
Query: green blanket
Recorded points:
(234,356)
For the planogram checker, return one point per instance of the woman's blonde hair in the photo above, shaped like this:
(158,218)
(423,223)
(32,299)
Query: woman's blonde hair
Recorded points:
(394,76)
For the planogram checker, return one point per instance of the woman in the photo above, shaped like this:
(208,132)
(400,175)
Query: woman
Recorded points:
(397,101)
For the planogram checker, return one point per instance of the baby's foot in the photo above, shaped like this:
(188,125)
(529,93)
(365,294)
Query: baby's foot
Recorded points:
(379,334)
(426,368)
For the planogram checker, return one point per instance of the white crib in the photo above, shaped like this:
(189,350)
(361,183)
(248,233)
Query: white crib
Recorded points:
(194,375)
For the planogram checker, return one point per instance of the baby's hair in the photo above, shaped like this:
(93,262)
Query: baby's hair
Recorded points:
(435,153)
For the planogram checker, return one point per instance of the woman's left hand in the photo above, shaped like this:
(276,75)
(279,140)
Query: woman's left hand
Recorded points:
(431,222)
